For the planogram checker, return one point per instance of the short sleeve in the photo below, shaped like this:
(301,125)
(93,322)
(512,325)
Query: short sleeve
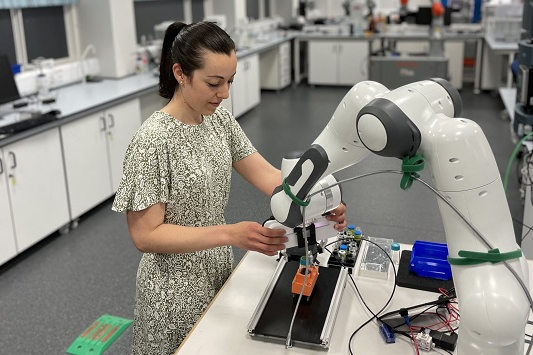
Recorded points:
(240,145)
(146,175)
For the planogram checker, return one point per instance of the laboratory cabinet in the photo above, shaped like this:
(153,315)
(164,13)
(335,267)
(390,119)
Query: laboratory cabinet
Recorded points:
(454,50)
(34,179)
(495,64)
(275,67)
(8,247)
(246,91)
(337,62)
(94,147)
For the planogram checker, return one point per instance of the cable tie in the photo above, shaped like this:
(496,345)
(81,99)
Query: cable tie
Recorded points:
(293,197)
(475,257)
(410,167)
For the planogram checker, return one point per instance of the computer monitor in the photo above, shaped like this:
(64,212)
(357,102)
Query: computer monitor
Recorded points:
(424,16)
(8,90)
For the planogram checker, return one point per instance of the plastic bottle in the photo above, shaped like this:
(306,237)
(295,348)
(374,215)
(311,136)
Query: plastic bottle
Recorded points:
(395,253)
(342,252)
(351,231)
(358,234)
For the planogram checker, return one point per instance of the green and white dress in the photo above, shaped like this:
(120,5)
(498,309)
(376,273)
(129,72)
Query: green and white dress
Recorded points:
(189,169)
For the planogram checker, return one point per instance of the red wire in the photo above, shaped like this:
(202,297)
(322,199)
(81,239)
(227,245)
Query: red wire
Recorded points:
(453,316)
(414,340)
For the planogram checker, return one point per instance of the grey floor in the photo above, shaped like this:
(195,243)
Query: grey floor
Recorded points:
(52,292)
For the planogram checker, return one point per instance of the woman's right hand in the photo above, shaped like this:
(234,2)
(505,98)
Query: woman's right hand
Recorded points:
(253,236)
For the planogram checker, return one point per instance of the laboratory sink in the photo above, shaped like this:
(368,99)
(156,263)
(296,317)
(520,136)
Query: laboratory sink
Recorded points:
(93,79)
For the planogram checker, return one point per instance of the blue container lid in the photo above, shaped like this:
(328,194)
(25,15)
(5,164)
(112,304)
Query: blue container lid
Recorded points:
(430,259)
(344,247)
(395,246)
(351,226)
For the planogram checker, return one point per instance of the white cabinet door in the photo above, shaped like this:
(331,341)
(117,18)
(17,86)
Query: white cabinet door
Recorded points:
(37,187)
(123,121)
(353,62)
(455,52)
(323,62)
(86,163)
(246,91)
(8,248)
(285,64)
(238,93)
(275,67)
(94,148)
(253,85)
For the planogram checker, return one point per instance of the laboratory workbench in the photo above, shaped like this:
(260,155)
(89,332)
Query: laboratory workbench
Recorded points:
(394,33)
(222,329)
(82,99)
(508,49)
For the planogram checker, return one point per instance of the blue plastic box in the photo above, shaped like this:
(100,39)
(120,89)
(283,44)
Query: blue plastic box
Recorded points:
(430,259)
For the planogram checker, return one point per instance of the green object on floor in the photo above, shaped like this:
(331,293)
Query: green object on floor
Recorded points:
(99,336)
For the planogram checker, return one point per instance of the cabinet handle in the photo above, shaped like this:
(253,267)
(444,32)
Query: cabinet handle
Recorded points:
(103,126)
(1,167)
(112,122)
(12,155)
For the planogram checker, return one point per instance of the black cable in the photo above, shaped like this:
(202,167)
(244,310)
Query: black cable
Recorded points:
(524,225)
(437,306)
(374,315)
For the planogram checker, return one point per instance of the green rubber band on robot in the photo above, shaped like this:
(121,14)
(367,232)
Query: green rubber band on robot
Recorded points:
(410,167)
(293,197)
(475,257)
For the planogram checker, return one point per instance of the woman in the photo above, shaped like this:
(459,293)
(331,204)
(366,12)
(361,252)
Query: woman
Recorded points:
(175,187)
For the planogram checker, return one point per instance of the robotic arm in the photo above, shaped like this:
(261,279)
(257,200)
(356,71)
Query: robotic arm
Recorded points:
(422,118)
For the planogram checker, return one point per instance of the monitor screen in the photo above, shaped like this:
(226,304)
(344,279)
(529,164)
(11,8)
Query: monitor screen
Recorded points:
(8,90)
(424,16)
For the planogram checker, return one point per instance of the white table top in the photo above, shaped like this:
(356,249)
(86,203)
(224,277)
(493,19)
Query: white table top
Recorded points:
(501,46)
(223,327)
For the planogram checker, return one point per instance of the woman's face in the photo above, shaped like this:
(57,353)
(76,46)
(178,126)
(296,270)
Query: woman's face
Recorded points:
(207,87)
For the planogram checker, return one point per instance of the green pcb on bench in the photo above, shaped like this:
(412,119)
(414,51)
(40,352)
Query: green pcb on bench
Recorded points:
(99,336)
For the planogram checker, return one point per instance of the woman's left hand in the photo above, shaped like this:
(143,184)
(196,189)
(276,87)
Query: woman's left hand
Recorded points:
(338,215)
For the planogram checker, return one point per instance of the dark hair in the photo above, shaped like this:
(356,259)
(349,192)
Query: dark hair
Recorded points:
(185,44)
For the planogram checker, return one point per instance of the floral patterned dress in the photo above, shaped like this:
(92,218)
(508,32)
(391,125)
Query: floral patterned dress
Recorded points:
(189,169)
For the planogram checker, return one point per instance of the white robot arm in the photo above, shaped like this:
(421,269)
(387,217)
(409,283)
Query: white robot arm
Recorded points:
(421,118)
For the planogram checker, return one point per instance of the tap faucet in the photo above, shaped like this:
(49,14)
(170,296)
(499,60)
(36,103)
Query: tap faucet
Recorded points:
(84,54)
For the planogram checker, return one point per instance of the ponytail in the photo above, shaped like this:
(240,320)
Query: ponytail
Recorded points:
(167,82)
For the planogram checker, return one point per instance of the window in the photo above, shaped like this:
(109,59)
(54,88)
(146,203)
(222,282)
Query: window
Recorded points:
(257,9)
(197,10)
(32,32)
(7,43)
(44,31)
(252,9)
(150,13)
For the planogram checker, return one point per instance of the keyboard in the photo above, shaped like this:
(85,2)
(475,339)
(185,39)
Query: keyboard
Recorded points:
(28,123)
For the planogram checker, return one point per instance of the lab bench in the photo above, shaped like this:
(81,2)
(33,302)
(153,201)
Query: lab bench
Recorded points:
(222,329)
(53,173)
(326,62)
